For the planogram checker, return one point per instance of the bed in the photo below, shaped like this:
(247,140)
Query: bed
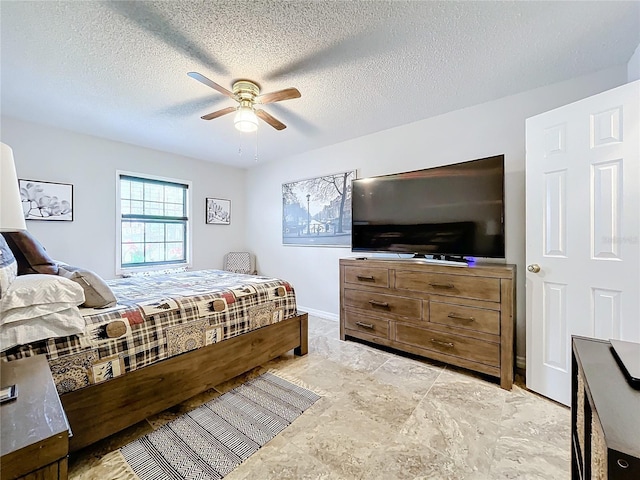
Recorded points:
(168,338)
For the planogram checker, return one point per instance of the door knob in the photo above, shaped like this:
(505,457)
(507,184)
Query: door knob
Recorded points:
(534,268)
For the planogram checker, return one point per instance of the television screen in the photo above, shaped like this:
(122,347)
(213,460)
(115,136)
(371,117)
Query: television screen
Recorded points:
(453,210)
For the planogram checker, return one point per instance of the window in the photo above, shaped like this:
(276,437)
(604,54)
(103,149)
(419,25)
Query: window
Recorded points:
(154,222)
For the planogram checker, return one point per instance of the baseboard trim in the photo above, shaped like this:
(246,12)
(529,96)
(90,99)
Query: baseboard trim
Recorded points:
(320,313)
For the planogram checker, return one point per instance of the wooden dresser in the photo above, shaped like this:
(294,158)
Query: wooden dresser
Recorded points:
(459,315)
(35,431)
(605,415)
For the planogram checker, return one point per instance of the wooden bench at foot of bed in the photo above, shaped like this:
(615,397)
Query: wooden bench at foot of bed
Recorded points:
(100,410)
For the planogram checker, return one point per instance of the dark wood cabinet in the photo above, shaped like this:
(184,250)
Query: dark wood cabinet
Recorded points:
(459,315)
(35,431)
(605,415)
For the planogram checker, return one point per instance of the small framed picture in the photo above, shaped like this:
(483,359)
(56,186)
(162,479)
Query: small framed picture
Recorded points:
(8,393)
(218,211)
(46,200)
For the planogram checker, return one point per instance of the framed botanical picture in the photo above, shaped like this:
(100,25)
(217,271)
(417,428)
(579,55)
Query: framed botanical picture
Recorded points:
(218,211)
(46,200)
(317,211)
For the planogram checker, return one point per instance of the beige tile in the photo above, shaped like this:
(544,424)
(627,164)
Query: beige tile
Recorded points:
(408,460)
(329,376)
(305,422)
(381,403)
(283,462)
(529,416)
(407,375)
(343,441)
(351,355)
(469,395)
(467,440)
(517,458)
(323,327)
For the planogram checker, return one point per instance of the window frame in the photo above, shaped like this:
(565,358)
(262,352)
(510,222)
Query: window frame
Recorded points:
(120,269)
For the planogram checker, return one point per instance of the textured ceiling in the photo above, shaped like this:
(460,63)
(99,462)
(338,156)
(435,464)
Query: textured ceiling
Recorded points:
(119,69)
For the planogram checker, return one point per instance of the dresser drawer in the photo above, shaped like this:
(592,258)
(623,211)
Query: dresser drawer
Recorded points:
(477,319)
(451,344)
(381,303)
(361,323)
(481,288)
(377,277)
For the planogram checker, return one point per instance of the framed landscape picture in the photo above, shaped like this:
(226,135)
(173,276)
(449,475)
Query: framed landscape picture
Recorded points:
(317,211)
(218,211)
(46,200)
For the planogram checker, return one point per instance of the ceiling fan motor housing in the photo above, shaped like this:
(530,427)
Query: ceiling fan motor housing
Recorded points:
(245,90)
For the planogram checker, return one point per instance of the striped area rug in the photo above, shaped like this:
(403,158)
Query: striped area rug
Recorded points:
(210,441)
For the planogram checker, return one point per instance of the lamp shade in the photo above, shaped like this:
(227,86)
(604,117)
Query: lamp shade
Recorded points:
(11,214)
(246,119)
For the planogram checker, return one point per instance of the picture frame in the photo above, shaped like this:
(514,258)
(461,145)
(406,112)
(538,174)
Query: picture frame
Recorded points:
(217,211)
(317,211)
(8,393)
(48,201)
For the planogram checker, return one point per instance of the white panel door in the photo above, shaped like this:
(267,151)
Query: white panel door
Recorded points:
(583,231)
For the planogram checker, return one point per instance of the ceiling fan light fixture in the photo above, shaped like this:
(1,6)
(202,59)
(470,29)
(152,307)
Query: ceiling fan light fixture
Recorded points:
(247,94)
(246,119)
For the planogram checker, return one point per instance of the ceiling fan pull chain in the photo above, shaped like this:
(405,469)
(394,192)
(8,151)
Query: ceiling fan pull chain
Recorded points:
(256,157)
(238,141)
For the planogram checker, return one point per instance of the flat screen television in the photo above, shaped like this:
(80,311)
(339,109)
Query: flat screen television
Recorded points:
(450,211)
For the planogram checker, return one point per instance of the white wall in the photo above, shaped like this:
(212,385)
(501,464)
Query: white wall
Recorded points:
(492,128)
(633,67)
(90,163)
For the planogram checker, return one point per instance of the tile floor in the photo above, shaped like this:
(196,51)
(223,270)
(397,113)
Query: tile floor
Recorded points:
(385,416)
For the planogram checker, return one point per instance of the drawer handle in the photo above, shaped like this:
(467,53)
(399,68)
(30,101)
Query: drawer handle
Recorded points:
(622,463)
(444,344)
(379,304)
(441,285)
(460,317)
(366,278)
(365,325)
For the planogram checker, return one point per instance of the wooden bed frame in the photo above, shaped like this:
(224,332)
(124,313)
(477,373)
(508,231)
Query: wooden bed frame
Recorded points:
(100,410)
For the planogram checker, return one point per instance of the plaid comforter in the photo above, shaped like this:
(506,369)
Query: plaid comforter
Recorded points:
(158,317)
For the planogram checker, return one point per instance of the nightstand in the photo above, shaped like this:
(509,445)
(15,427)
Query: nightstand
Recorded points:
(605,415)
(35,431)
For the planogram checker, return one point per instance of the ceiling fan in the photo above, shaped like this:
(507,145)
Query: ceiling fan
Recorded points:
(247,94)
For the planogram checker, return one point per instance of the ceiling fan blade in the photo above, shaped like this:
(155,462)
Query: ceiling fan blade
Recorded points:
(286,94)
(218,113)
(274,122)
(210,83)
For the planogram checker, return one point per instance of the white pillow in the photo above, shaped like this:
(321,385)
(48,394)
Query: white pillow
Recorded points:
(60,324)
(39,289)
(33,311)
